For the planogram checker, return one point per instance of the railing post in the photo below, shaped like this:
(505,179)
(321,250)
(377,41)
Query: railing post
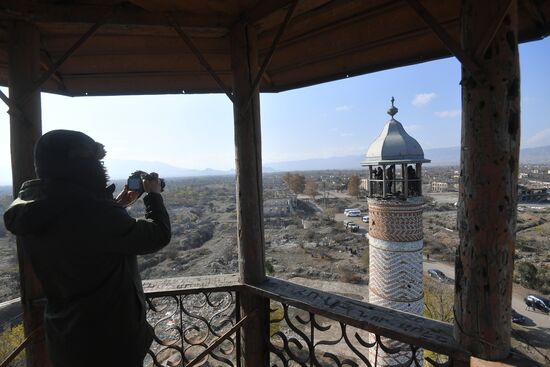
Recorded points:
(488,182)
(24,69)
(244,65)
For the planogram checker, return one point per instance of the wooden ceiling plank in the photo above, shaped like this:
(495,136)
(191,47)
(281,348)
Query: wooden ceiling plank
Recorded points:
(200,57)
(310,61)
(125,14)
(534,11)
(262,10)
(357,17)
(492,30)
(444,36)
(269,55)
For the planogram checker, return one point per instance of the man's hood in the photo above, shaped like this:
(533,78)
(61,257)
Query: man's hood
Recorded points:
(40,204)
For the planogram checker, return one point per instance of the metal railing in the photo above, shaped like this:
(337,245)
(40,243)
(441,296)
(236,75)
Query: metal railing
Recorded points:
(199,325)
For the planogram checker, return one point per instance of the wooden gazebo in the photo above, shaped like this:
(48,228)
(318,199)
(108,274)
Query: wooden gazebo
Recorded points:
(244,47)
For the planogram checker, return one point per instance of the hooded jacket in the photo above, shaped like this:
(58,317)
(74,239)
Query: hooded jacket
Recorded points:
(83,248)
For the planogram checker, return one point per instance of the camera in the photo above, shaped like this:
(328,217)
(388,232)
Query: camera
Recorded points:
(135,182)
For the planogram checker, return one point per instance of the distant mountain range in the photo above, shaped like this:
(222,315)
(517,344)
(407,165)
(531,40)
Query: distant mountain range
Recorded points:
(119,169)
(438,156)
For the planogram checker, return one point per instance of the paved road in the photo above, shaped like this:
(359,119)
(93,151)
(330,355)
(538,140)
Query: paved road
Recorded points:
(533,318)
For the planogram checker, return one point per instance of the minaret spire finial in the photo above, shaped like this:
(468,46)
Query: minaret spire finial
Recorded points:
(393,110)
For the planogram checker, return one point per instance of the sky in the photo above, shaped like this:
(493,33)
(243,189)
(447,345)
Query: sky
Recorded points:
(332,119)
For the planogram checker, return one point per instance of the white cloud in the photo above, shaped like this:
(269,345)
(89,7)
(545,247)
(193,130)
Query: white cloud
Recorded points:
(542,136)
(346,134)
(412,128)
(447,114)
(423,99)
(344,108)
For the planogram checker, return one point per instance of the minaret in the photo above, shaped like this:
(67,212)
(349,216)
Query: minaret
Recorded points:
(395,200)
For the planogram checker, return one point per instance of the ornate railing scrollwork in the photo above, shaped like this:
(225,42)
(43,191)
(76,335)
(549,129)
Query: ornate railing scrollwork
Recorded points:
(302,338)
(186,325)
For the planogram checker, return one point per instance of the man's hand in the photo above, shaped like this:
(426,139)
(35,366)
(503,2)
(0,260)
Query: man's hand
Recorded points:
(151,183)
(126,197)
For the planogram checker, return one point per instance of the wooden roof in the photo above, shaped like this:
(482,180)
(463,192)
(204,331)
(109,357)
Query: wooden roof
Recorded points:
(137,51)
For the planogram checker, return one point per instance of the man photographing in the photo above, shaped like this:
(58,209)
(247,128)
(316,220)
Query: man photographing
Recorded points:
(83,245)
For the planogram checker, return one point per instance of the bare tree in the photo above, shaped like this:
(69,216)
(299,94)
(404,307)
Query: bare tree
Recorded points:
(353,186)
(311,189)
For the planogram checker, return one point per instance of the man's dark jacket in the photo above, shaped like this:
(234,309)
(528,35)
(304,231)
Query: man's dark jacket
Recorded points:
(83,248)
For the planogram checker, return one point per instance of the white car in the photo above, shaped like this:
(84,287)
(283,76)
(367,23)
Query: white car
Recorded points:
(346,211)
(353,213)
(365,219)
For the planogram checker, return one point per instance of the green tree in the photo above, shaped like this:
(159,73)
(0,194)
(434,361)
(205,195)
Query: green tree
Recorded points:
(311,189)
(353,186)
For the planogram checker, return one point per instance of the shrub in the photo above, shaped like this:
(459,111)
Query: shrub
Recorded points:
(365,257)
(275,317)
(269,267)
(527,274)
(9,340)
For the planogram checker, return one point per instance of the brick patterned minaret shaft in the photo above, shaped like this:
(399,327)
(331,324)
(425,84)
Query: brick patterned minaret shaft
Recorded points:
(395,264)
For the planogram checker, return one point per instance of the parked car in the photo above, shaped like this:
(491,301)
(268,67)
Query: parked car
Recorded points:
(353,213)
(365,219)
(349,209)
(352,227)
(517,318)
(539,303)
(439,275)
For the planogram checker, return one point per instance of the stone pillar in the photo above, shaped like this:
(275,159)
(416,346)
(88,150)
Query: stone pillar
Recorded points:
(395,266)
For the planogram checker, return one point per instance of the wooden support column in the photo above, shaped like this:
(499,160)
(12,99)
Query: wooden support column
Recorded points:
(248,154)
(488,183)
(24,69)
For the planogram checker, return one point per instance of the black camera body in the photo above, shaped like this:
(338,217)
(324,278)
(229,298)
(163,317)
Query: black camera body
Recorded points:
(135,182)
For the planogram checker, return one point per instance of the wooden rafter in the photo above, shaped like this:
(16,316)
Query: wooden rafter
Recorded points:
(492,30)
(124,14)
(270,53)
(263,9)
(46,61)
(13,108)
(51,70)
(353,18)
(200,57)
(448,41)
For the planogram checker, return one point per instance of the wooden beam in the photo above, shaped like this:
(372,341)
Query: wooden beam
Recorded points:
(416,330)
(248,154)
(191,285)
(24,67)
(262,10)
(452,45)
(48,63)
(269,55)
(51,71)
(492,30)
(124,14)
(200,57)
(14,109)
(489,167)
